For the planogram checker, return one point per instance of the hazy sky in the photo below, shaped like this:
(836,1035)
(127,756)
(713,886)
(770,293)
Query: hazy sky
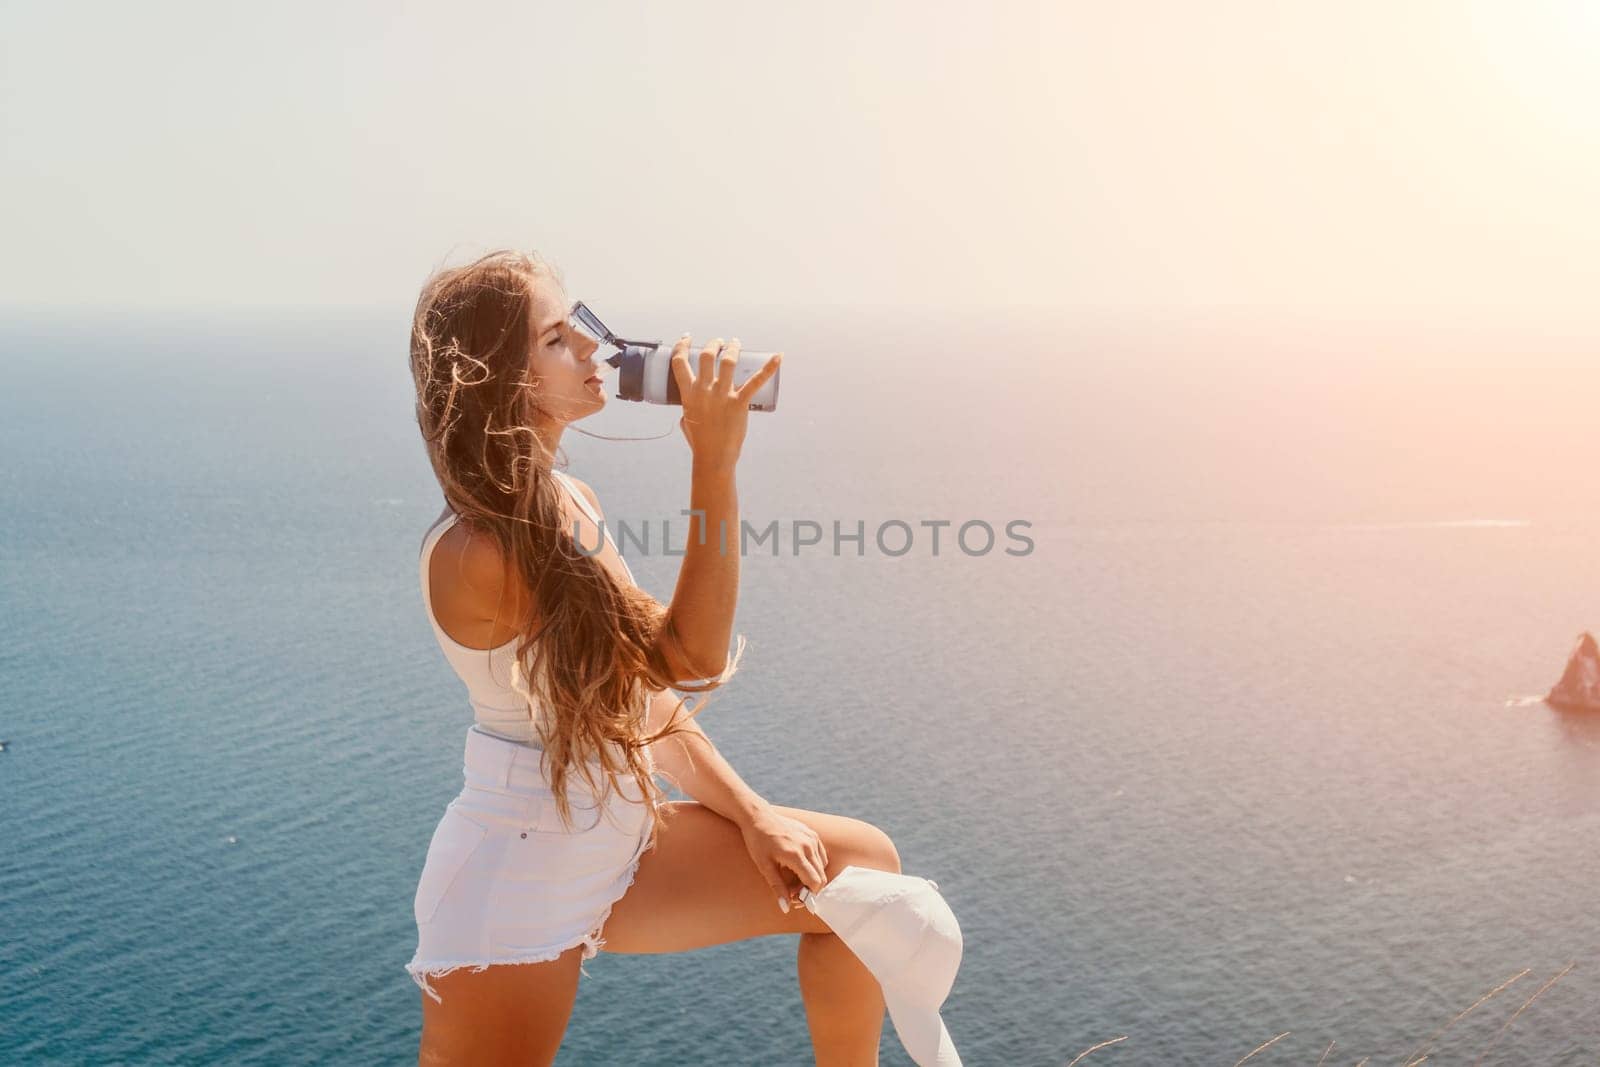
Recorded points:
(1337,155)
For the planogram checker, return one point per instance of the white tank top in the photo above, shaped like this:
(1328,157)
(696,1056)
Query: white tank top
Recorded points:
(497,707)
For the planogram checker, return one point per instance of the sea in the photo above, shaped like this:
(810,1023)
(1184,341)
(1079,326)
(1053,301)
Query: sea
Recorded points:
(1226,738)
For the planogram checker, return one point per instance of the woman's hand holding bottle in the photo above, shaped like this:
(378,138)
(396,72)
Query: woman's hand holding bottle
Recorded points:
(715,412)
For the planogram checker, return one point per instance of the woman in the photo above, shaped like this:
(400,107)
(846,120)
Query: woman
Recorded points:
(561,841)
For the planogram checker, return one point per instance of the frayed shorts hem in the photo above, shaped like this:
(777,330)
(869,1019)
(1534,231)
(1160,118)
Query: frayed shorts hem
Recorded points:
(421,971)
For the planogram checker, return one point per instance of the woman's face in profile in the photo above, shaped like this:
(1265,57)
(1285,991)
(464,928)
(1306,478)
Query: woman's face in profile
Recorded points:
(562,362)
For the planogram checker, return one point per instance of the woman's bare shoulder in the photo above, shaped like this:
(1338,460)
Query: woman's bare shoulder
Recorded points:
(471,579)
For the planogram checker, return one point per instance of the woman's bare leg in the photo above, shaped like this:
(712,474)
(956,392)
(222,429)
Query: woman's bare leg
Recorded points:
(699,887)
(506,1013)
(844,1006)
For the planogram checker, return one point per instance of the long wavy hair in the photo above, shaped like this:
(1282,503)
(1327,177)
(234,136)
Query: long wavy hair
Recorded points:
(589,645)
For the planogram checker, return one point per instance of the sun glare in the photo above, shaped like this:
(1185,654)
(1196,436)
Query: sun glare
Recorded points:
(1547,58)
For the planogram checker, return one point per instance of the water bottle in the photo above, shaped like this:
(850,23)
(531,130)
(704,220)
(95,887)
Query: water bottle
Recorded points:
(644,372)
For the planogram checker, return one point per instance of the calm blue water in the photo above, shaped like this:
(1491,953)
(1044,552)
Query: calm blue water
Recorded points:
(1237,750)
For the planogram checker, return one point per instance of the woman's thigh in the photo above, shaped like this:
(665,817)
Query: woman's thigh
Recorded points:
(698,886)
(505,1013)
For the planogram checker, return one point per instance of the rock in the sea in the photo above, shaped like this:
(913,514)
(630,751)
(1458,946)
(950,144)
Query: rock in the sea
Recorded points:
(1579,687)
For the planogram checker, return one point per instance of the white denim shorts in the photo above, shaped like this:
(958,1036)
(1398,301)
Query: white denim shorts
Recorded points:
(505,881)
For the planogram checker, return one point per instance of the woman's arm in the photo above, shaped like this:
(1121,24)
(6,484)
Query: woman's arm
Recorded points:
(699,620)
(786,851)
(700,616)
(696,767)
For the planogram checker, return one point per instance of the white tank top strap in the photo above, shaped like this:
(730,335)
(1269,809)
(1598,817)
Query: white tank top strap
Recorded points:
(578,495)
(594,517)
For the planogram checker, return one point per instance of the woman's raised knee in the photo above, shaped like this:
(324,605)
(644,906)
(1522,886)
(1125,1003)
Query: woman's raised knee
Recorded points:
(865,845)
(886,857)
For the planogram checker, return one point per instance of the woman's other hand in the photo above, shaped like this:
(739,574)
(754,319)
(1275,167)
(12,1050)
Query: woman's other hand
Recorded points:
(787,852)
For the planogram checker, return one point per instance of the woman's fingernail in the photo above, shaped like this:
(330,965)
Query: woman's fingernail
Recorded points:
(783,902)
